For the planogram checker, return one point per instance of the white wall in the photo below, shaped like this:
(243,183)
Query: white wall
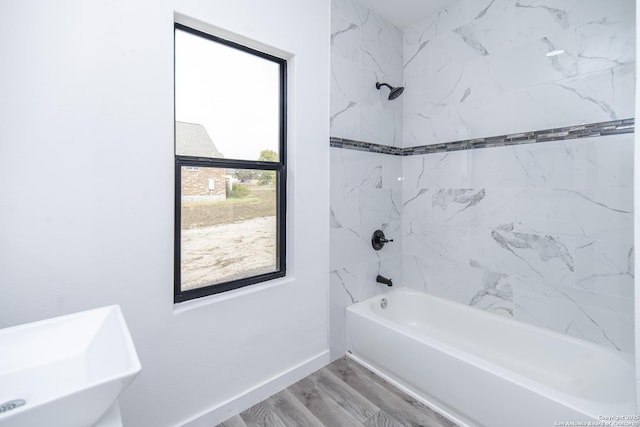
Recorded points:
(86,196)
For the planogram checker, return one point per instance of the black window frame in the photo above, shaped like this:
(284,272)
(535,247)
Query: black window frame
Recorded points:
(281,184)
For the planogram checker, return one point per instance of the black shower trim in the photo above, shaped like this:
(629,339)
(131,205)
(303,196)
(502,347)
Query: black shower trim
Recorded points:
(613,127)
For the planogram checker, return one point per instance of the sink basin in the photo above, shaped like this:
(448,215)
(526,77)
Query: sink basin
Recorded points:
(66,371)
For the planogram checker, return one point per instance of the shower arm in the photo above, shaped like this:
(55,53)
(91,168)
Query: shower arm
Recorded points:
(379,85)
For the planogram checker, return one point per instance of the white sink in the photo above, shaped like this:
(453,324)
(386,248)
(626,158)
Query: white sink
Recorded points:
(66,371)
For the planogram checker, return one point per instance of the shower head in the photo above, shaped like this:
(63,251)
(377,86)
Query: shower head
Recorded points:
(395,91)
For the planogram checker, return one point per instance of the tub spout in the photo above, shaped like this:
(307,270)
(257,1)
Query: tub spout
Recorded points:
(384,280)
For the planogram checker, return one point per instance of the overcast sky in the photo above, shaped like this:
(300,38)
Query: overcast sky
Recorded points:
(233,94)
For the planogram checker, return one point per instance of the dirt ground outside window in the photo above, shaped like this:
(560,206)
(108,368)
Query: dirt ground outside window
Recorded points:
(227,240)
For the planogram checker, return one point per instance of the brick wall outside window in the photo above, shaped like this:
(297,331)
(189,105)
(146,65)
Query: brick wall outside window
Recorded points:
(196,182)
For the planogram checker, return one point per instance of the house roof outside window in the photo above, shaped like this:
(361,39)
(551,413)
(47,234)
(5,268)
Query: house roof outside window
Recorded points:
(193,140)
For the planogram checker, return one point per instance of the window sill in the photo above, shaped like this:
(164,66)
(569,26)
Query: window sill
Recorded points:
(195,304)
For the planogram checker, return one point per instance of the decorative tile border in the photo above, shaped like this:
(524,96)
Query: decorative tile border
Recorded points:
(350,144)
(613,127)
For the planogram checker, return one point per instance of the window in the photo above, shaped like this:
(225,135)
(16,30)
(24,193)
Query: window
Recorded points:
(230,157)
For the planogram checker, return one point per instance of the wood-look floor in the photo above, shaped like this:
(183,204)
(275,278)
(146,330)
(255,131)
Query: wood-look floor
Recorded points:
(342,394)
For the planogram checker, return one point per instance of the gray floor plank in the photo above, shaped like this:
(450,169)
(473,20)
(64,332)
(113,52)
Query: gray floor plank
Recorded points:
(292,411)
(342,394)
(359,378)
(320,404)
(444,421)
(401,394)
(382,419)
(348,398)
(261,415)
(234,422)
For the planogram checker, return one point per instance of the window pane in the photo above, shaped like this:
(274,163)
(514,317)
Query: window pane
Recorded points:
(231,95)
(228,225)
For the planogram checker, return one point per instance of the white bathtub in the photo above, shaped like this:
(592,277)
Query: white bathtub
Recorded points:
(482,369)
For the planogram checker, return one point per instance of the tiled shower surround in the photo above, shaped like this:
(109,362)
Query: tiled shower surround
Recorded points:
(365,49)
(479,68)
(541,232)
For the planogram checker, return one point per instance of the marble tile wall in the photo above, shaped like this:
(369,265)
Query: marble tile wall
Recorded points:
(365,49)
(366,195)
(542,233)
(538,232)
(366,192)
(478,68)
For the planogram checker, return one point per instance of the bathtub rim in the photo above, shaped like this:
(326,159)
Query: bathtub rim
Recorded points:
(591,408)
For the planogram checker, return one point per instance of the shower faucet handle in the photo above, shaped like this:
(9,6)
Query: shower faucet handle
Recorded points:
(378,240)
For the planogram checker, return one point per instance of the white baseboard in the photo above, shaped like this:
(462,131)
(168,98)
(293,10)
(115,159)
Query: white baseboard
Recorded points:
(221,412)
